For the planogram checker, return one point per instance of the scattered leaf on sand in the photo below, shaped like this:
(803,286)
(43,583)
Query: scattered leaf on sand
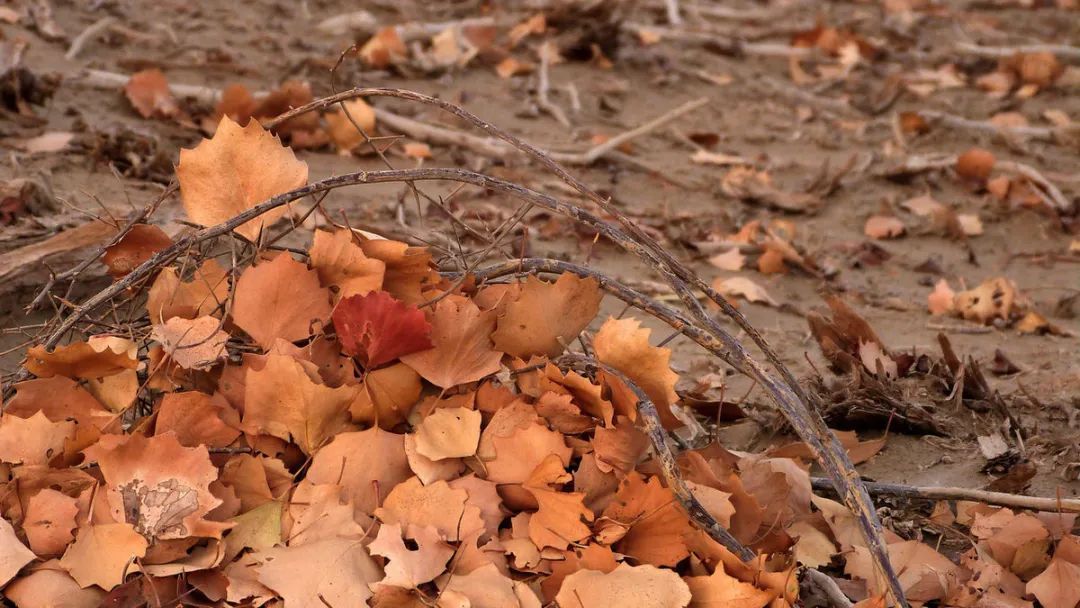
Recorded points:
(744,287)
(883,227)
(238,168)
(343,132)
(148,92)
(942,300)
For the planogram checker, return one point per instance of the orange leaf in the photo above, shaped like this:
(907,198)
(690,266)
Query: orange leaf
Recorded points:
(1056,586)
(13,554)
(462,351)
(203,295)
(51,587)
(624,345)
(343,132)
(340,262)
(883,227)
(157,485)
(279,299)
(137,246)
(367,464)
(102,554)
(283,401)
(333,572)
(942,300)
(49,522)
(78,360)
(408,270)
(33,440)
(557,523)
(235,170)
(387,396)
(149,94)
(626,587)
(546,317)
(720,589)
(416,506)
(448,433)
(410,568)
(197,419)
(192,343)
(655,523)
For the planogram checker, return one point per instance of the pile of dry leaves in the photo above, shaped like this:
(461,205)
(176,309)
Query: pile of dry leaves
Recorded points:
(346,426)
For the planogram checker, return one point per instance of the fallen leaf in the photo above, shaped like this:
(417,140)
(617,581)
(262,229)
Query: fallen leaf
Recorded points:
(204,295)
(883,227)
(558,521)
(721,589)
(417,150)
(341,263)
(654,522)
(512,67)
(283,401)
(192,343)
(975,164)
(704,157)
(408,269)
(995,298)
(624,345)
(448,433)
(626,586)
(238,168)
(378,329)
(13,554)
(158,486)
(77,360)
(410,568)
(49,142)
(49,522)
(545,318)
(102,554)
(417,506)
(258,529)
(384,49)
(732,260)
(279,299)
(742,286)
(462,352)
(33,440)
(148,92)
(140,243)
(1056,586)
(333,572)
(368,464)
(487,587)
(346,135)
(197,419)
(51,587)
(323,512)
(942,300)
(387,396)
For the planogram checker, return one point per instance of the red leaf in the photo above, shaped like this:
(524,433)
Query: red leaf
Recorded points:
(378,328)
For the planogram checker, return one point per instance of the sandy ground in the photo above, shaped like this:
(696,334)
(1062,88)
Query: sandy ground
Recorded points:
(259,44)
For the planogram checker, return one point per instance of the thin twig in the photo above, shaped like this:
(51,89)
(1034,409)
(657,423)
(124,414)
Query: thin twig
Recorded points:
(828,586)
(1052,195)
(91,30)
(984,126)
(1061,50)
(1000,499)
